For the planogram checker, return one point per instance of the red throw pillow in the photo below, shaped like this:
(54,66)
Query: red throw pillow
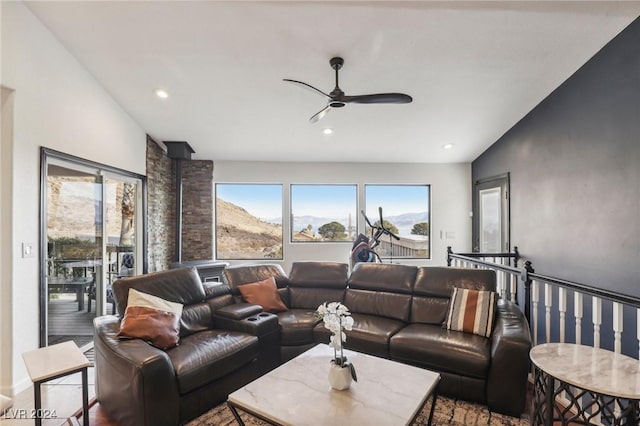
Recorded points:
(151,319)
(263,293)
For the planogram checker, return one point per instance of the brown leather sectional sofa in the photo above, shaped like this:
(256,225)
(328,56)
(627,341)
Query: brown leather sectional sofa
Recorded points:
(398,313)
(223,346)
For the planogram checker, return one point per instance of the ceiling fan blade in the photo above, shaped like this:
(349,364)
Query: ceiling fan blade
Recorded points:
(320,114)
(378,98)
(308,86)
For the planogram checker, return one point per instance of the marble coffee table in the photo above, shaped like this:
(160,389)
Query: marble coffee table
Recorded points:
(594,381)
(298,392)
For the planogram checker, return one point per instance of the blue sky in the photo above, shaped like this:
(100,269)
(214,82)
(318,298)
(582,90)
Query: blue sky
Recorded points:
(395,199)
(333,201)
(262,201)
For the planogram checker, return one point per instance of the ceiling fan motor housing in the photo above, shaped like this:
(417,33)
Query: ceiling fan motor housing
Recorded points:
(336,63)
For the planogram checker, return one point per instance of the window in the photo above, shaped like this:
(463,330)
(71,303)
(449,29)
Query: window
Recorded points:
(405,211)
(248,221)
(323,213)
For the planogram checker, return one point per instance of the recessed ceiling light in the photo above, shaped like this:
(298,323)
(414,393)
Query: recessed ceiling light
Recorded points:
(161,93)
(327,131)
(447,146)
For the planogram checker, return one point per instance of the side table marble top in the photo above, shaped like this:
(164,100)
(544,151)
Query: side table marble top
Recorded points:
(597,370)
(46,363)
(298,392)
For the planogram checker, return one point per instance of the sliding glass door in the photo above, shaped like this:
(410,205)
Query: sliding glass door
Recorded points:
(92,226)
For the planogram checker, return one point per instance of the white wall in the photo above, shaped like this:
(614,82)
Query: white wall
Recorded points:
(450,199)
(6,145)
(59,105)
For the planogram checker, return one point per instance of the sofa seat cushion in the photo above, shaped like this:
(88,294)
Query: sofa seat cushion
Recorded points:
(439,349)
(209,355)
(297,326)
(370,334)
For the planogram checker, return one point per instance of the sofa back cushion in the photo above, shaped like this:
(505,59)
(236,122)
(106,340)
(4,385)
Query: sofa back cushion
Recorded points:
(175,285)
(245,274)
(313,283)
(434,285)
(381,289)
(181,285)
(199,316)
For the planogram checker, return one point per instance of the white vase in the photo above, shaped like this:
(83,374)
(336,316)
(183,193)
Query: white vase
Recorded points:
(339,377)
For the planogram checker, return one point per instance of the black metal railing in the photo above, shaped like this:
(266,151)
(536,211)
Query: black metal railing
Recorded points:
(484,257)
(506,264)
(558,289)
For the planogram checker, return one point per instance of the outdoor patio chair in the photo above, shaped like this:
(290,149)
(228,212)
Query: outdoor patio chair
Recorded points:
(91,295)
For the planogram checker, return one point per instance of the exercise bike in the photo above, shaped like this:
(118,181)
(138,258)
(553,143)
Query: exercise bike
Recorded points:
(363,249)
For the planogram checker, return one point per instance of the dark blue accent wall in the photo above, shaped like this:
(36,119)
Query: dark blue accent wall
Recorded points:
(575,176)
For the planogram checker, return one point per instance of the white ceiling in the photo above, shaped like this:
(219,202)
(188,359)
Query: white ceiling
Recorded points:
(473,69)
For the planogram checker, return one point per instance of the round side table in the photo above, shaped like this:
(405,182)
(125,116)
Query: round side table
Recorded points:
(594,381)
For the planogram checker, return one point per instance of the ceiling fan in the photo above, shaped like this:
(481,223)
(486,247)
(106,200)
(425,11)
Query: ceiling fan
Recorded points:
(337,98)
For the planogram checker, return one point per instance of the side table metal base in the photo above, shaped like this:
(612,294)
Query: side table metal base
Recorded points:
(583,406)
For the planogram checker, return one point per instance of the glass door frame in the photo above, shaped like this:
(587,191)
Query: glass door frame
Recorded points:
(502,182)
(49,156)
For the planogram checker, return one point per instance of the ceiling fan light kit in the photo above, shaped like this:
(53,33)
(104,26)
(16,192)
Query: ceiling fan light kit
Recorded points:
(337,98)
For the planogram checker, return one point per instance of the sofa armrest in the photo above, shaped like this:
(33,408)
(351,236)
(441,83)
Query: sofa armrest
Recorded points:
(135,382)
(238,311)
(263,325)
(509,370)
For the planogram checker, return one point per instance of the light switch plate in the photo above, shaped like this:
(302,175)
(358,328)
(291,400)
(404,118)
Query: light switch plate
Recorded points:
(28,250)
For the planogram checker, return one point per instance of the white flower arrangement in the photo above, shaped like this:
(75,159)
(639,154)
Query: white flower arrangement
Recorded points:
(337,318)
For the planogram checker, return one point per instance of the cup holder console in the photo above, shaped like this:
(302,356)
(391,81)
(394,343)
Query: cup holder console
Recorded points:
(263,316)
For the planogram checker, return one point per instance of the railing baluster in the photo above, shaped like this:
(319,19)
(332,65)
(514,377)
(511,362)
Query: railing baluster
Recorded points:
(535,298)
(617,340)
(514,288)
(562,308)
(577,309)
(597,323)
(617,327)
(548,302)
(597,320)
(577,313)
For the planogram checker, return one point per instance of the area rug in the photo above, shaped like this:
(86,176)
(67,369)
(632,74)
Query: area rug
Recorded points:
(448,412)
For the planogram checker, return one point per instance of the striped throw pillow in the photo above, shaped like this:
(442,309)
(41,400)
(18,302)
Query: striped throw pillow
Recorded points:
(472,311)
